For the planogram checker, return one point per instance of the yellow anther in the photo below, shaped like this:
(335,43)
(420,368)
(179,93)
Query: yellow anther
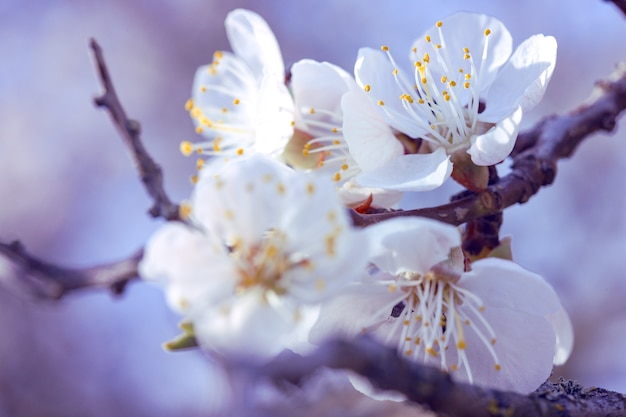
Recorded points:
(406,322)
(461,70)
(240,151)
(481,308)
(446,96)
(461,344)
(392,287)
(330,245)
(381,103)
(312,111)
(452,83)
(418,340)
(203,89)
(218,55)
(426,58)
(337,177)
(466,84)
(367,87)
(466,56)
(280,188)
(184,210)
(334,130)
(189,104)
(497,366)
(236,101)
(212,70)
(216,146)
(438,46)
(466,50)
(408,352)
(431,351)
(194,179)
(444,79)
(199,129)
(439,23)
(344,167)
(199,164)
(384,48)
(421,101)
(224,110)
(336,142)
(427,38)
(196,112)
(493,341)
(305,152)
(186,148)
(414,49)
(310,188)
(468,76)
(292,123)
(487,32)
(418,64)
(454,368)
(423,80)
(395,71)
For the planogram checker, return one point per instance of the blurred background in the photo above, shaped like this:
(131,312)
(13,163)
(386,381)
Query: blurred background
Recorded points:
(70,193)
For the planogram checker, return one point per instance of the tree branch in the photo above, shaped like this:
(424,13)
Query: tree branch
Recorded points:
(436,390)
(46,280)
(621,4)
(150,172)
(534,158)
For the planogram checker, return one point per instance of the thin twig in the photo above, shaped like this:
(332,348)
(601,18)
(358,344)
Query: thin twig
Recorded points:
(534,158)
(150,172)
(46,280)
(436,390)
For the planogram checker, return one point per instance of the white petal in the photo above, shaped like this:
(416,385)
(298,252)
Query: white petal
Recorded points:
(411,244)
(497,143)
(252,39)
(247,327)
(274,117)
(347,315)
(351,194)
(179,257)
(504,284)
(564,335)
(466,30)
(373,69)
(413,172)
(523,80)
(318,85)
(234,200)
(525,348)
(370,140)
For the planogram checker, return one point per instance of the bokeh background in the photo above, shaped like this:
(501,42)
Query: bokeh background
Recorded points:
(70,193)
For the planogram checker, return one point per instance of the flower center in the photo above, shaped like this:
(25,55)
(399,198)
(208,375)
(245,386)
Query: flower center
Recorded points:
(432,317)
(444,98)
(264,264)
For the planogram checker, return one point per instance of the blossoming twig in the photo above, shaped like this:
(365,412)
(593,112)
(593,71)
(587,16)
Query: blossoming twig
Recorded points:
(46,280)
(151,173)
(534,158)
(434,389)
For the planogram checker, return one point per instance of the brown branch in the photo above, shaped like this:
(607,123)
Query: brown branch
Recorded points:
(150,172)
(436,390)
(46,280)
(621,4)
(534,158)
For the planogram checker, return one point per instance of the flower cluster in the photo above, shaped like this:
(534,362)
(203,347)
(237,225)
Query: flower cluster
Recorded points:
(268,259)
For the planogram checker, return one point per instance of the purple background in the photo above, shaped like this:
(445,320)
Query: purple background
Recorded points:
(69,191)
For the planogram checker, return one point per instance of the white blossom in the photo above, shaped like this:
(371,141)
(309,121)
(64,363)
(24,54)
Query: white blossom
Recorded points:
(466,95)
(318,88)
(496,324)
(266,245)
(240,101)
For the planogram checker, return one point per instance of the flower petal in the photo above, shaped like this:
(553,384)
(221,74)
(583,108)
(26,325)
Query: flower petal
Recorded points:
(503,284)
(175,254)
(466,30)
(374,72)
(411,244)
(252,39)
(564,335)
(524,347)
(523,80)
(351,194)
(494,146)
(318,86)
(274,116)
(413,172)
(370,140)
